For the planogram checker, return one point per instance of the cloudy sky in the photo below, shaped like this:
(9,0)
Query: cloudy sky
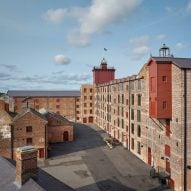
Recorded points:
(54,44)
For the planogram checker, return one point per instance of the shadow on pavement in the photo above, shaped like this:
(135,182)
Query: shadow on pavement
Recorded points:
(85,137)
(106,185)
(49,183)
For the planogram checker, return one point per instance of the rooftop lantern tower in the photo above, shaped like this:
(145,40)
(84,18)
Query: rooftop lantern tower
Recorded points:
(103,73)
(164,51)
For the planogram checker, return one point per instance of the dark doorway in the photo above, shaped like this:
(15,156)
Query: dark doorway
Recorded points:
(167,165)
(41,153)
(149,156)
(90,119)
(65,136)
(84,120)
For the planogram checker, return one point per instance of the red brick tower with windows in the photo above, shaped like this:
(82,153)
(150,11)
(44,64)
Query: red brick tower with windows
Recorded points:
(160,86)
(103,74)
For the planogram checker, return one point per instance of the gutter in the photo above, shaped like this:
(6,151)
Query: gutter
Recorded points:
(185,130)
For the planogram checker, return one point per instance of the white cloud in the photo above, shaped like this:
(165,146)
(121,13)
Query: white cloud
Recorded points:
(180,45)
(94,18)
(161,37)
(61,59)
(140,47)
(101,14)
(79,40)
(189,7)
(55,16)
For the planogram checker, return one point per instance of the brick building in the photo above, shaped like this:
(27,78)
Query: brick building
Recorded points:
(62,102)
(5,134)
(87,103)
(59,128)
(32,128)
(150,113)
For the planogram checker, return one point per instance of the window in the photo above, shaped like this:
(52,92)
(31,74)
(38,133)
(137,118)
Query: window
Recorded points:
(127,102)
(138,115)
(118,98)
(132,128)
(57,100)
(122,123)
(29,141)
(85,90)
(90,90)
(90,97)
(118,110)
(132,143)
(122,112)
(122,99)
(118,122)
(77,106)
(132,99)
(77,112)
(138,147)
(126,114)
(28,128)
(85,104)
(127,128)
(132,114)
(90,104)
(85,111)
(132,85)
(164,105)
(164,78)
(85,97)
(36,100)
(139,99)
(57,106)
(138,131)
(139,84)
(90,111)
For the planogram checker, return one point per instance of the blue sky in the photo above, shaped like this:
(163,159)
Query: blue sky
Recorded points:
(54,44)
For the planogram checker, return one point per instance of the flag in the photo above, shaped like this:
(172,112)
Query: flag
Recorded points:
(105,49)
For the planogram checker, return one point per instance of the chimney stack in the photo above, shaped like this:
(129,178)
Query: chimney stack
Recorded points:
(26,164)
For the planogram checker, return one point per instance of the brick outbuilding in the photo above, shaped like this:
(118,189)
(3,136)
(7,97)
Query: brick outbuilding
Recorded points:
(59,128)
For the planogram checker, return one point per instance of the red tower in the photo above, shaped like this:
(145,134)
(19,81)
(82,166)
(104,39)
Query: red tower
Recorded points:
(103,74)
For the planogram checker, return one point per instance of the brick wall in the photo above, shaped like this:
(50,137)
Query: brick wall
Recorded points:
(65,106)
(38,133)
(5,134)
(87,104)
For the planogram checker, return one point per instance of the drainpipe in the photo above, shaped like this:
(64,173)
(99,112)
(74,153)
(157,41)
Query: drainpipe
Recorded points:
(185,130)
(12,138)
(129,115)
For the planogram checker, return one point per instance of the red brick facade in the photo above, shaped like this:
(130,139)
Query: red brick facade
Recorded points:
(30,129)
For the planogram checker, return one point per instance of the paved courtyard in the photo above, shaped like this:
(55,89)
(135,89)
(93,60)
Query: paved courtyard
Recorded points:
(87,164)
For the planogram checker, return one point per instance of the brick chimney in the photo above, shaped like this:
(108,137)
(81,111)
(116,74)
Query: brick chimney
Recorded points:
(26,164)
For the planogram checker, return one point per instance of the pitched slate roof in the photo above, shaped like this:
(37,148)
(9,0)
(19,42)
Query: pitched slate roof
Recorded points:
(30,110)
(37,93)
(7,179)
(44,181)
(184,63)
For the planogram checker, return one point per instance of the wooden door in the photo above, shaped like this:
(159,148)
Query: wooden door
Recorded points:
(65,136)
(41,153)
(167,165)
(149,156)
